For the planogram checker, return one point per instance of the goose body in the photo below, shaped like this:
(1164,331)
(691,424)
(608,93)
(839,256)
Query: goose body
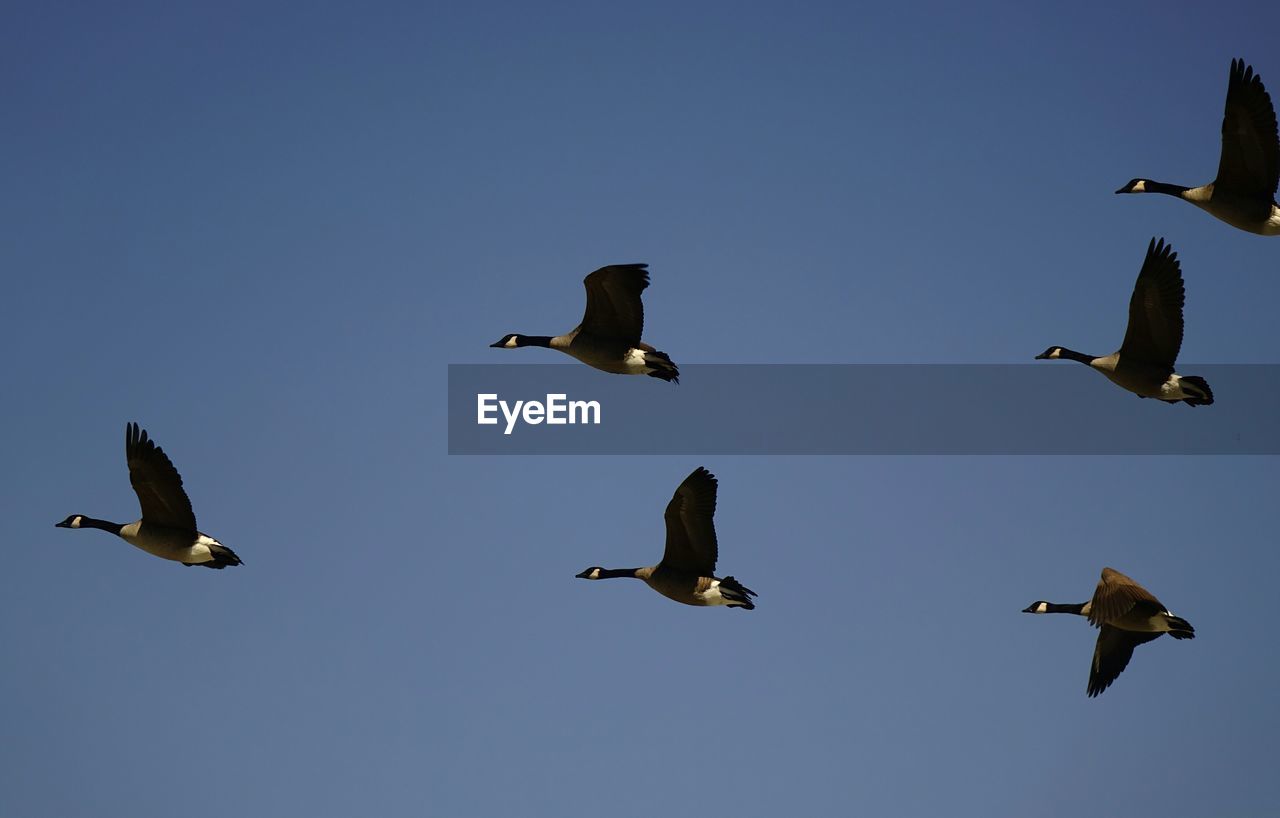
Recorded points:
(1127,616)
(1144,363)
(686,573)
(1243,194)
(608,338)
(168,525)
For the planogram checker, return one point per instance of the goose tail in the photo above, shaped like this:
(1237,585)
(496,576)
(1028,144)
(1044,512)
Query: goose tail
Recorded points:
(1197,390)
(737,594)
(660,365)
(1180,628)
(221,558)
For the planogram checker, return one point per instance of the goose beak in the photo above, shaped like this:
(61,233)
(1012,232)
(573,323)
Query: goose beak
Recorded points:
(62,524)
(1042,356)
(1030,608)
(584,575)
(495,344)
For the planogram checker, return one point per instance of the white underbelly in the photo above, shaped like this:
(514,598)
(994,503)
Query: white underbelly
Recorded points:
(631,363)
(1172,389)
(1133,621)
(168,543)
(634,363)
(712,595)
(1272,227)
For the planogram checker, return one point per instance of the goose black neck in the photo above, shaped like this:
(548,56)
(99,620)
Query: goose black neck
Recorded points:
(1058,607)
(104,525)
(615,573)
(535,341)
(1167,189)
(1071,354)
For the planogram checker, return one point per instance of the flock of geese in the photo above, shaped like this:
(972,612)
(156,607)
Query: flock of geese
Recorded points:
(609,339)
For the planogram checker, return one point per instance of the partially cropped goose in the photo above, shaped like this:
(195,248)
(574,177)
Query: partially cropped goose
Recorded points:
(1128,616)
(168,525)
(609,336)
(687,570)
(1144,362)
(1243,195)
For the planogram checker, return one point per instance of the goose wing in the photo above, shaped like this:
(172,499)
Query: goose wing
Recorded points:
(614,309)
(1154,334)
(1111,655)
(1250,163)
(691,533)
(1115,596)
(156,482)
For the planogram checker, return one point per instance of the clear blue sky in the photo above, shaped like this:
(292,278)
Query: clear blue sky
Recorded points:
(263,231)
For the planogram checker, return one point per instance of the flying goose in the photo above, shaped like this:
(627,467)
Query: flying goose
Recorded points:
(1243,195)
(609,336)
(1144,362)
(1128,616)
(168,525)
(687,570)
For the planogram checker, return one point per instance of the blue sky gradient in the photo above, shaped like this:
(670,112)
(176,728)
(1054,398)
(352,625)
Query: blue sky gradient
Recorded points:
(263,230)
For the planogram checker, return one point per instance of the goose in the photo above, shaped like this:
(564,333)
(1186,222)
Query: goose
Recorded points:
(1128,616)
(686,572)
(168,525)
(609,336)
(1243,195)
(1144,362)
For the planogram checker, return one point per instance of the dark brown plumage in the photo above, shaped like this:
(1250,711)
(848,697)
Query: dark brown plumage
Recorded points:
(156,482)
(686,572)
(1127,615)
(1243,193)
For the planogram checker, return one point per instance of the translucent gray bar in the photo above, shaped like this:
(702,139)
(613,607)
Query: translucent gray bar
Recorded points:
(1049,408)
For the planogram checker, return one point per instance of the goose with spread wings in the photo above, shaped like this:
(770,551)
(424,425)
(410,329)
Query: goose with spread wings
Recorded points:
(168,525)
(1128,616)
(1144,363)
(609,336)
(687,570)
(1243,194)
